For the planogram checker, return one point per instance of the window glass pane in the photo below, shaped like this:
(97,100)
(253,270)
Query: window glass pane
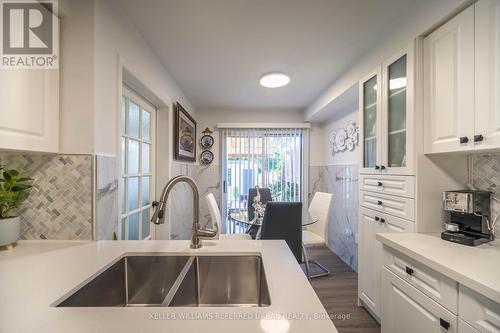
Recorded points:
(145,157)
(133,227)
(133,119)
(397,113)
(123,154)
(145,190)
(146,125)
(370,122)
(133,156)
(123,191)
(123,115)
(133,193)
(124,220)
(145,223)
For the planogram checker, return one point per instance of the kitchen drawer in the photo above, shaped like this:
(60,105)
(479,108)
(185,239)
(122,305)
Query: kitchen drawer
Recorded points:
(397,206)
(406,310)
(435,285)
(479,311)
(463,327)
(396,185)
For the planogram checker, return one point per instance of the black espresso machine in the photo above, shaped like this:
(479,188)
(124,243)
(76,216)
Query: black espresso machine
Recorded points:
(467,217)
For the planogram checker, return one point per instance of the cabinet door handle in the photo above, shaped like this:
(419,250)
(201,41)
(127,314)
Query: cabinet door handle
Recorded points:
(478,138)
(377,218)
(377,167)
(464,139)
(379,203)
(382,220)
(380,184)
(382,167)
(409,270)
(444,324)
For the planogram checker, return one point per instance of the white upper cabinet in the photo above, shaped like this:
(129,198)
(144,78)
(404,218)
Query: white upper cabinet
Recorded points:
(386,116)
(487,71)
(462,81)
(29,110)
(449,85)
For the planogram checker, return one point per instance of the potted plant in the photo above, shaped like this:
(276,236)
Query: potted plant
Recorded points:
(15,187)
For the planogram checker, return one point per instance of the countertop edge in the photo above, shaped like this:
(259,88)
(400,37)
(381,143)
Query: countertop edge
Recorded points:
(460,277)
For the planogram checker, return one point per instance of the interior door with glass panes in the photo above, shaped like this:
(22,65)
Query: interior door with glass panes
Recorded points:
(397,114)
(369,127)
(137,167)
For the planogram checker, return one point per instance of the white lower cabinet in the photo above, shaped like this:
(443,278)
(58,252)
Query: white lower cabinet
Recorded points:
(463,327)
(405,309)
(371,253)
(479,311)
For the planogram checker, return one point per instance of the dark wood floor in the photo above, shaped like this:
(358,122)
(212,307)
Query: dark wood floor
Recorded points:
(338,293)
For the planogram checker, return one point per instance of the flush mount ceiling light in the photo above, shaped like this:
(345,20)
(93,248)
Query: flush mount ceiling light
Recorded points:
(274,80)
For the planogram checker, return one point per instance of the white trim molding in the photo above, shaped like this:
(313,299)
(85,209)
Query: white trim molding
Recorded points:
(263,125)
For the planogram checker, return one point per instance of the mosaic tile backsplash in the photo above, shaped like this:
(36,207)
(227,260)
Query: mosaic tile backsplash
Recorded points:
(485,176)
(60,204)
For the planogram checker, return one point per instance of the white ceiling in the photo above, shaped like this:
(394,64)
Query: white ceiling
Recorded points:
(216,50)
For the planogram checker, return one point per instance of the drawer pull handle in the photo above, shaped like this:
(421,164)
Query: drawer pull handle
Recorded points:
(382,220)
(377,167)
(377,218)
(464,139)
(382,167)
(444,324)
(379,202)
(409,270)
(380,184)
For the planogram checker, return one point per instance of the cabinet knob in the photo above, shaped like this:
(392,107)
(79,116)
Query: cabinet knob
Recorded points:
(464,139)
(444,323)
(379,202)
(377,218)
(382,220)
(478,138)
(409,270)
(380,184)
(382,167)
(377,167)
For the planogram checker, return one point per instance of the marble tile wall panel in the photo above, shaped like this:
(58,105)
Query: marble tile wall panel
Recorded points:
(208,180)
(106,197)
(181,203)
(60,204)
(342,182)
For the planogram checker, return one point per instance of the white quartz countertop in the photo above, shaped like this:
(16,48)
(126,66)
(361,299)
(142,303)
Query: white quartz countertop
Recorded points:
(38,273)
(477,268)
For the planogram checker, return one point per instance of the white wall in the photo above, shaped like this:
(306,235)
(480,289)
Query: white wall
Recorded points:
(337,122)
(116,36)
(428,16)
(210,118)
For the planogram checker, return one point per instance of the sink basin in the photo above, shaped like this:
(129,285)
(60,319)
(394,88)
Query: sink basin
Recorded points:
(223,281)
(153,280)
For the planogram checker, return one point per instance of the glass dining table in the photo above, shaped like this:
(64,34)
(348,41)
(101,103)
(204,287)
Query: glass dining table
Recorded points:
(240,217)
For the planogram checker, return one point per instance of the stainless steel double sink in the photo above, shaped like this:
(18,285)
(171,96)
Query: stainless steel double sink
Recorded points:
(175,281)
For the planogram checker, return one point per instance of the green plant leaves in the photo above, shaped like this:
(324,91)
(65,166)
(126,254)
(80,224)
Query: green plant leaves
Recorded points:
(14,189)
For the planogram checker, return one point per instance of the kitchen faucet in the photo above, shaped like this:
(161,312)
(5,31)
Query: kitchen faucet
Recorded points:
(197,233)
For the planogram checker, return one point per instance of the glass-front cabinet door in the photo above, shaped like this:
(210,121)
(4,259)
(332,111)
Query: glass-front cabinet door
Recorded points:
(397,114)
(370,115)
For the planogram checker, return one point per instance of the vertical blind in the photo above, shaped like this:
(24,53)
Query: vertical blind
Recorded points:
(264,157)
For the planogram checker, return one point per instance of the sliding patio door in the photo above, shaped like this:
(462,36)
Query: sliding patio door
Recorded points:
(268,158)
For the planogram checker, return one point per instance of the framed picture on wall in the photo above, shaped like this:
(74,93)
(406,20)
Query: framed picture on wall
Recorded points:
(184,135)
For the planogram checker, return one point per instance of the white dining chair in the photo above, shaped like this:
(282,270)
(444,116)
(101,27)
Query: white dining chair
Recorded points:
(317,233)
(217,220)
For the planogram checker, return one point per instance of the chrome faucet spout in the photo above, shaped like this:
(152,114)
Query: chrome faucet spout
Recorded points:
(159,212)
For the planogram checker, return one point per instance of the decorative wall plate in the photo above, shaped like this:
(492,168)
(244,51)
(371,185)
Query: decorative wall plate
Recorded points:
(345,138)
(207,141)
(206,157)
